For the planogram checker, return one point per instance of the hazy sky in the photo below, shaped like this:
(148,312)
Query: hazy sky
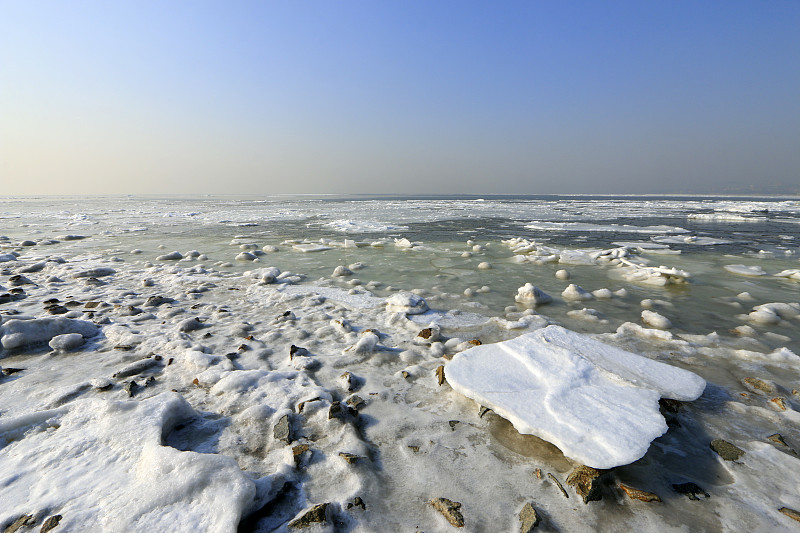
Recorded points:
(399,97)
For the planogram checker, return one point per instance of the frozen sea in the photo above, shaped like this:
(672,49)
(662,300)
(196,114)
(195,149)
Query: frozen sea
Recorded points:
(229,363)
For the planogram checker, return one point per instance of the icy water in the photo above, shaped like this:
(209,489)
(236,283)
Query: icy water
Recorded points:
(203,435)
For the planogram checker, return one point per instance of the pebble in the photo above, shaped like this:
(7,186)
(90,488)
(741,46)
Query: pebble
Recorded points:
(450,510)
(528,518)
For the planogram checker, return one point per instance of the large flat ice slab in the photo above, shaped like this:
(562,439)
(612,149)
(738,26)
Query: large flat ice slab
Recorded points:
(597,403)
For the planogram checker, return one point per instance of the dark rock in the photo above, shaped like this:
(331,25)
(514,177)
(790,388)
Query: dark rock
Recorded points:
(302,405)
(669,405)
(356,402)
(636,494)
(7,371)
(690,489)
(155,301)
(51,301)
(349,381)
(91,305)
(94,282)
(136,368)
(777,438)
(296,350)
(482,411)
(17,291)
(453,424)
(72,303)
(791,513)
(528,518)
(450,510)
(131,388)
(475,342)
(335,410)
(123,347)
(314,515)
(50,523)
(357,502)
(726,450)
(585,480)
(16,281)
(558,484)
(22,522)
(283,430)
(425,333)
(413,448)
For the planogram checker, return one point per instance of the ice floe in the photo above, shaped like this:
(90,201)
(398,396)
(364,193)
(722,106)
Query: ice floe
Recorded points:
(597,403)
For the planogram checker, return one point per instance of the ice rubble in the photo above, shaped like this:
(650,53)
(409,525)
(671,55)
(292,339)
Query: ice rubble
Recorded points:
(18,333)
(597,403)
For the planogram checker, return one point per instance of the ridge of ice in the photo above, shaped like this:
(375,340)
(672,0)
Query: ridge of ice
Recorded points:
(597,403)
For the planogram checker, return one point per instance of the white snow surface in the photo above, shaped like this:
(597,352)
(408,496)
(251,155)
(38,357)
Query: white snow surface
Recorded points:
(597,403)
(80,461)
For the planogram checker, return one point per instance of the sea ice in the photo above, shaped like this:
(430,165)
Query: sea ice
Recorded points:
(597,403)
(744,270)
(406,302)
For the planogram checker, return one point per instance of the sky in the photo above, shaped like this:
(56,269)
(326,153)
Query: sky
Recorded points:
(411,97)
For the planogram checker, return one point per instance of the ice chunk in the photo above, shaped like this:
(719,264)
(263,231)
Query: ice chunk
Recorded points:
(598,403)
(744,270)
(651,318)
(66,342)
(406,302)
(531,295)
(18,333)
(576,292)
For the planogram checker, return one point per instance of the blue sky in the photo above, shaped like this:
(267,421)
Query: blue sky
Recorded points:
(399,97)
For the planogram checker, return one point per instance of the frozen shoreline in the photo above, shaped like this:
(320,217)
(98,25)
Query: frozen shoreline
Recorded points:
(248,405)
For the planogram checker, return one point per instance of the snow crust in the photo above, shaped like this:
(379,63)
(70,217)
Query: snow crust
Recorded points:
(99,482)
(597,403)
(18,333)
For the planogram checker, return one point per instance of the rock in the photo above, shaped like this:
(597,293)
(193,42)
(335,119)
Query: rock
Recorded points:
(356,402)
(349,457)
(98,272)
(334,410)
(50,523)
(357,502)
(298,451)
(315,515)
(22,522)
(691,490)
(440,374)
(350,381)
(759,386)
(584,479)
(453,424)
(136,367)
(131,388)
(558,484)
(791,513)
(450,510)
(528,518)
(428,335)
(16,281)
(282,431)
(155,301)
(778,403)
(636,494)
(7,371)
(777,438)
(298,351)
(726,450)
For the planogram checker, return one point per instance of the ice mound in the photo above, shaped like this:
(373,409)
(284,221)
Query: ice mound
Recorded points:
(18,333)
(793,273)
(532,295)
(597,403)
(406,302)
(103,466)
